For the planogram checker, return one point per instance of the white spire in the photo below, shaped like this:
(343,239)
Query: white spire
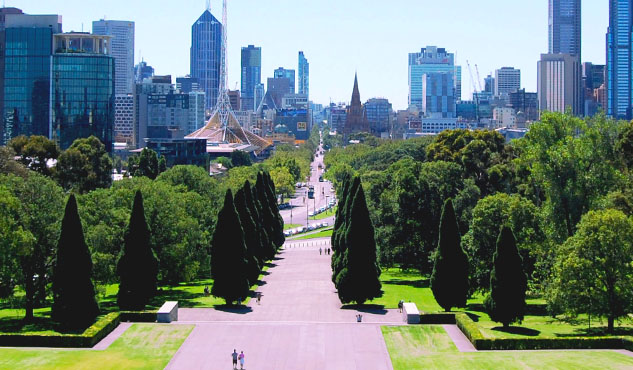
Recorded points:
(208,5)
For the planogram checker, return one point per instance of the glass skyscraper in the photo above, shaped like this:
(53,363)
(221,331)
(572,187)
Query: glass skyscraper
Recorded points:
(251,75)
(286,73)
(432,60)
(122,46)
(304,75)
(619,81)
(564,27)
(206,55)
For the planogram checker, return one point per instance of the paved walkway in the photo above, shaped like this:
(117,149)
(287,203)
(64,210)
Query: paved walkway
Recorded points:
(461,342)
(299,324)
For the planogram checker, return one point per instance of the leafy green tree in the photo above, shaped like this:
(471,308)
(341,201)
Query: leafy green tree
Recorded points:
(74,303)
(147,164)
(240,159)
(228,255)
(162,164)
(594,269)
(284,183)
(195,179)
(137,268)
(508,282)
(85,166)
(8,164)
(359,280)
(449,281)
(251,236)
(35,152)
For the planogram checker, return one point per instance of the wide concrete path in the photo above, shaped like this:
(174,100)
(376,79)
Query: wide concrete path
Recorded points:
(299,324)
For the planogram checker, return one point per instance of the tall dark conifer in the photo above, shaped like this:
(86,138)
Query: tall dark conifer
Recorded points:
(271,210)
(251,235)
(228,255)
(449,281)
(265,220)
(341,242)
(508,282)
(359,279)
(74,303)
(138,267)
(264,241)
(272,194)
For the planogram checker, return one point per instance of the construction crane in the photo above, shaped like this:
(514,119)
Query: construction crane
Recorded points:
(475,91)
(472,78)
(478,78)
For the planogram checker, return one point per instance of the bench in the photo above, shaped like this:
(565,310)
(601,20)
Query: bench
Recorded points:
(410,313)
(168,312)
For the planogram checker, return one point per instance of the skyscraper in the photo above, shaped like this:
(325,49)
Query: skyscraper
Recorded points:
(438,95)
(564,27)
(122,45)
(251,75)
(286,73)
(507,80)
(619,81)
(559,83)
(304,75)
(3,13)
(142,71)
(206,55)
(430,60)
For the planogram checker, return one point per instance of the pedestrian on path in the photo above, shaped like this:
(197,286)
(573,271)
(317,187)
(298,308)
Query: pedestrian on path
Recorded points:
(259,297)
(242,360)
(234,355)
(320,251)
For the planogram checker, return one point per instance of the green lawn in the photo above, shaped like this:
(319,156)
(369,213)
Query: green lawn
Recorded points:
(322,234)
(142,346)
(429,347)
(291,226)
(406,285)
(328,213)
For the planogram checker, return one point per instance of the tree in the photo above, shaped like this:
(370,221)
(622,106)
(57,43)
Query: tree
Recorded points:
(228,255)
(272,198)
(137,268)
(338,244)
(271,212)
(147,164)
(594,269)
(449,281)
(266,247)
(85,166)
(240,159)
(74,303)
(35,152)
(162,164)
(508,282)
(284,183)
(8,164)
(251,235)
(359,279)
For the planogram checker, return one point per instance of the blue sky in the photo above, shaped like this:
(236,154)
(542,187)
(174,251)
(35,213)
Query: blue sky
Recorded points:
(340,37)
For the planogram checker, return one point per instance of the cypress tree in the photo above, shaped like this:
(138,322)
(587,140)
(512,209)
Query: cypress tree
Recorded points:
(359,278)
(137,267)
(74,303)
(253,207)
(270,210)
(266,219)
(272,194)
(251,236)
(339,229)
(341,236)
(228,255)
(508,282)
(449,280)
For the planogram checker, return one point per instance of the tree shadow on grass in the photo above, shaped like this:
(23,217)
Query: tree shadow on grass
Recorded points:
(239,310)
(518,330)
(421,283)
(375,309)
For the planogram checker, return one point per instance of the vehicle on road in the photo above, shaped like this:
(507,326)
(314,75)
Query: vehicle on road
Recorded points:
(311,192)
(320,178)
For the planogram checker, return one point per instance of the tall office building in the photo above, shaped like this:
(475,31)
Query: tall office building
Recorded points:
(82,89)
(258,95)
(122,48)
(438,95)
(619,81)
(3,13)
(251,75)
(379,113)
(507,80)
(288,74)
(142,71)
(564,27)
(27,78)
(206,55)
(431,60)
(559,83)
(304,75)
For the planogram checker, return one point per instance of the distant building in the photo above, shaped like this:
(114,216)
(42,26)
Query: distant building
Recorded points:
(234,99)
(356,120)
(489,84)
(296,121)
(507,80)
(187,84)
(124,119)
(142,71)
(438,95)
(288,74)
(337,117)
(258,95)
(294,101)
(565,27)
(3,14)
(304,75)
(122,47)
(206,55)
(379,112)
(619,69)
(559,83)
(432,60)
(180,151)
(592,78)
(279,87)
(525,102)
(505,117)
(251,76)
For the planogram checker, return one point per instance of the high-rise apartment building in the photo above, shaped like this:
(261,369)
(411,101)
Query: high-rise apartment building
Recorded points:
(564,27)
(619,73)
(27,74)
(288,74)
(122,48)
(206,55)
(559,85)
(304,75)
(431,60)
(251,75)
(124,119)
(507,80)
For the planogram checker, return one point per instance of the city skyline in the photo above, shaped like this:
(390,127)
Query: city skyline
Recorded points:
(343,38)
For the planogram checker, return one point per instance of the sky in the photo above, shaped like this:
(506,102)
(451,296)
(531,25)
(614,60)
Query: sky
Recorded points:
(341,37)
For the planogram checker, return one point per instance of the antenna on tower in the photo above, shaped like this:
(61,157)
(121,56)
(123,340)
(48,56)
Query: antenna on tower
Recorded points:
(209,5)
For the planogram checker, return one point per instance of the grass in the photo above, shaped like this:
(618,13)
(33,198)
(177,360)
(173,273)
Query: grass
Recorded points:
(407,285)
(142,346)
(328,213)
(291,226)
(429,347)
(321,234)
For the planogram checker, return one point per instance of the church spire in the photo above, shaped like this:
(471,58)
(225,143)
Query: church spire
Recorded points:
(355,93)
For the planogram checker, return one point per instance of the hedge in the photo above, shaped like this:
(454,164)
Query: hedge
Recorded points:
(442,318)
(139,316)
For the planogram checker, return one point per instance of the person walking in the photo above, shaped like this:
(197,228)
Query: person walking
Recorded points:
(320,251)
(241,357)
(234,355)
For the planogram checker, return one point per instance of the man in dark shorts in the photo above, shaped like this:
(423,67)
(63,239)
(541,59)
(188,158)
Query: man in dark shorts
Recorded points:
(234,355)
